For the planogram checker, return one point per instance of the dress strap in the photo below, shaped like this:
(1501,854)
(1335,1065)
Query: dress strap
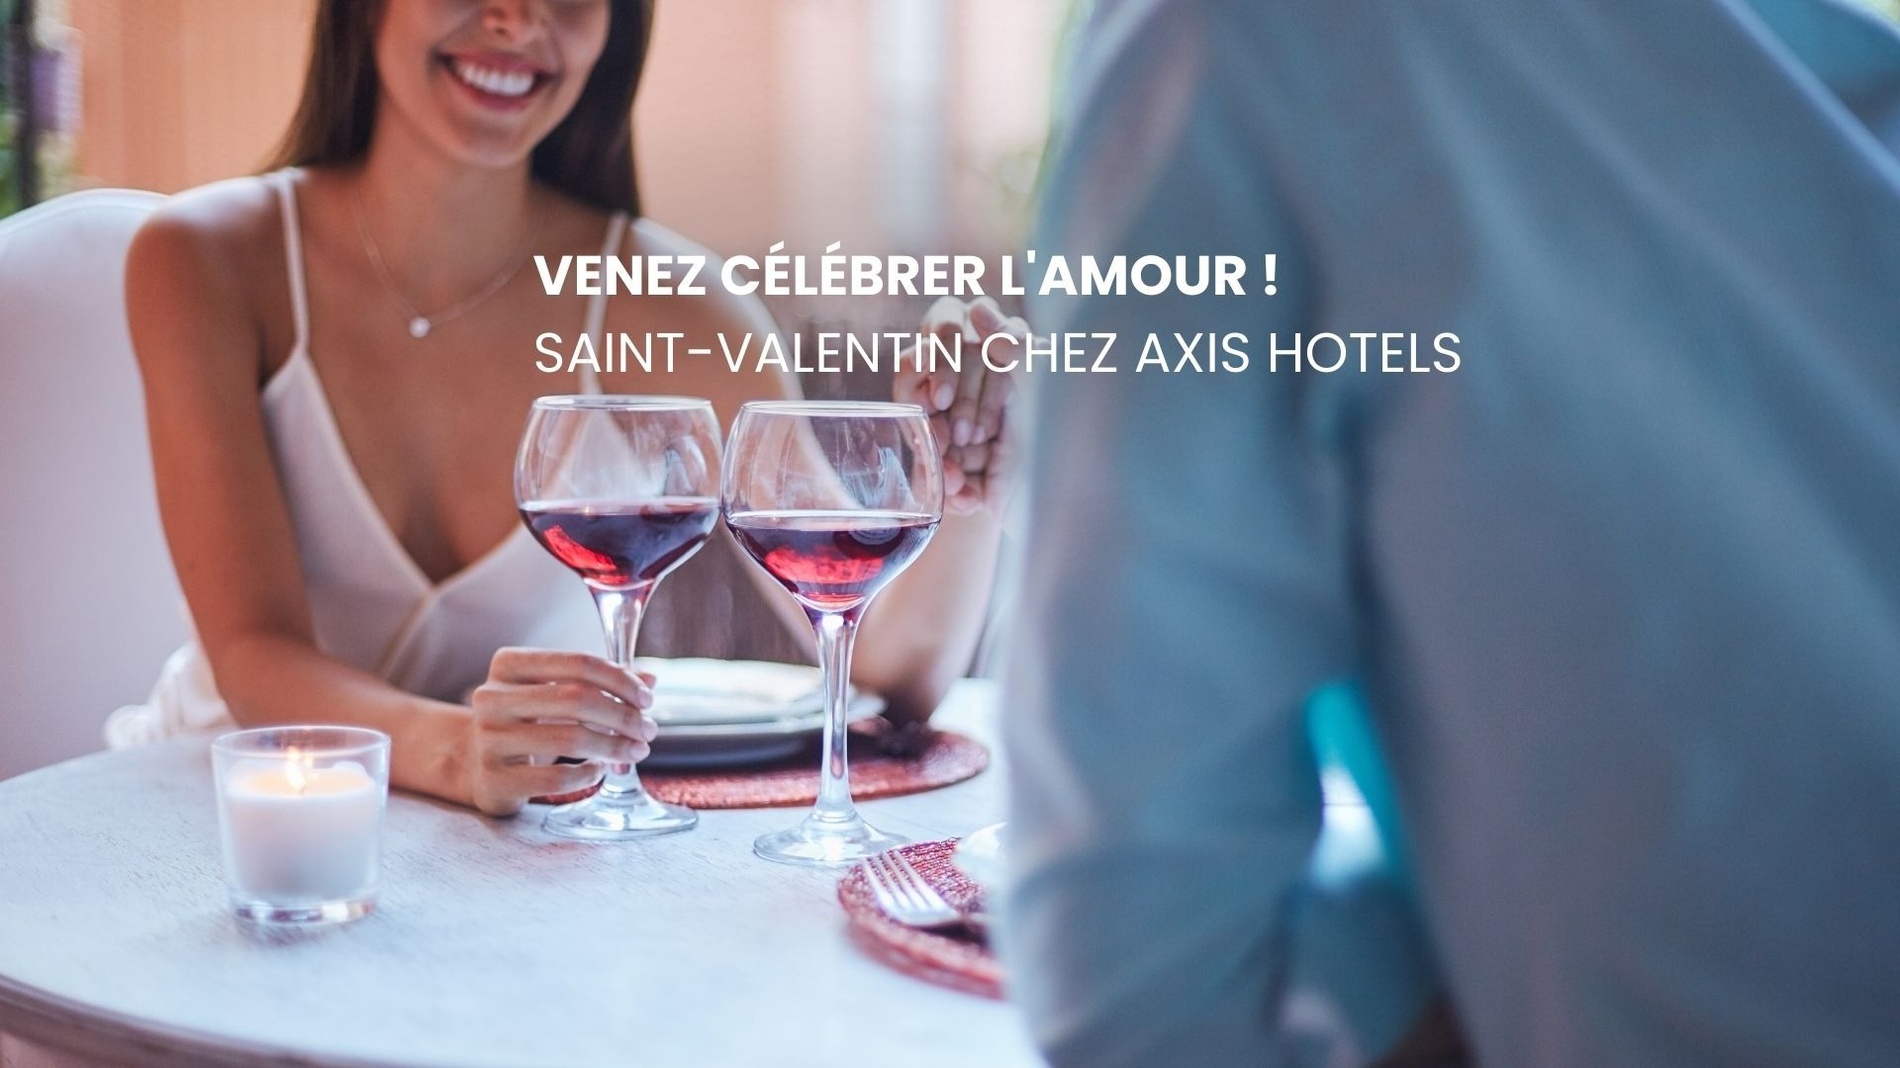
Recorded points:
(293,253)
(597,304)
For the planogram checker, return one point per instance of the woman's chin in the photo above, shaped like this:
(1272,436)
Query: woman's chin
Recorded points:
(487,145)
(492,155)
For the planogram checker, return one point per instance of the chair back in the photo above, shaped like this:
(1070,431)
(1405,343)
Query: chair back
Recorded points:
(89,606)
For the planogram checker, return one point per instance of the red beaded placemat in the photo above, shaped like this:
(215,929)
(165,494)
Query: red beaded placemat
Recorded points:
(949,758)
(950,957)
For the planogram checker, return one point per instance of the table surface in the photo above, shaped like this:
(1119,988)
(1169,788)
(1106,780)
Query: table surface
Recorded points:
(493,942)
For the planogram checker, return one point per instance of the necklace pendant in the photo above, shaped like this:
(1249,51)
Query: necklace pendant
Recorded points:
(419,327)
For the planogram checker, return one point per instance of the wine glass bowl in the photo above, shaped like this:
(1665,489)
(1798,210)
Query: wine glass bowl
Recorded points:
(621,490)
(833,499)
(832,561)
(619,546)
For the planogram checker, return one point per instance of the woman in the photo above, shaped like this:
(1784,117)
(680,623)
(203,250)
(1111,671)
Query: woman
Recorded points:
(337,361)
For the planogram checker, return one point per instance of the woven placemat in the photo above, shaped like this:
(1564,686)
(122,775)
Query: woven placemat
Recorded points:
(949,758)
(950,957)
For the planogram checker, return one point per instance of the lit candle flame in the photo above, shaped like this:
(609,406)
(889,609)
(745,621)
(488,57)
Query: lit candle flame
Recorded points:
(293,769)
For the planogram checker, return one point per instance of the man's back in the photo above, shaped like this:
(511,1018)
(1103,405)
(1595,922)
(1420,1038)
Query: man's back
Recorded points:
(1623,587)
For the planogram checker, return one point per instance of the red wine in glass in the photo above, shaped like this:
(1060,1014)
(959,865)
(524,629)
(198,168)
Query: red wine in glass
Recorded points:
(621,545)
(832,561)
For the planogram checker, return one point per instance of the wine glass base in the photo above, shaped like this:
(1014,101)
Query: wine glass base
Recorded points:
(829,842)
(312,914)
(608,817)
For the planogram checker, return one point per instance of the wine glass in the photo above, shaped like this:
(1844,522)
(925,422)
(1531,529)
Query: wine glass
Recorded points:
(833,499)
(621,489)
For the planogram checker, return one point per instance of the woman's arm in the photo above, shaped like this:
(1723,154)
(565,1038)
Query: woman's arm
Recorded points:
(921,633)
(198,335)
(935,612)
(198,338)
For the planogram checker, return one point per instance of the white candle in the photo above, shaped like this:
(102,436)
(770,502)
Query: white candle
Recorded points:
(294,833)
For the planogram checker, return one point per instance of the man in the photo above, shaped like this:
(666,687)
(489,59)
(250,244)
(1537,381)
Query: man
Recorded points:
(1622,588)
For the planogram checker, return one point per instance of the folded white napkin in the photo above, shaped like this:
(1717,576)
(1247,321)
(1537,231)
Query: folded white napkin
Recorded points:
(184,701)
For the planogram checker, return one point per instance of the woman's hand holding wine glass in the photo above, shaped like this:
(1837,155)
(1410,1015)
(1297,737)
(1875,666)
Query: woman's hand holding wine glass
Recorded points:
(621,490)
(540,705)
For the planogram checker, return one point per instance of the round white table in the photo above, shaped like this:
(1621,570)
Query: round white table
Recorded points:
(493,943)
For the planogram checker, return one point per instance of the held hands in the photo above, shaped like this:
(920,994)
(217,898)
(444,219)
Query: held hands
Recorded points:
(539,705)
(969,411)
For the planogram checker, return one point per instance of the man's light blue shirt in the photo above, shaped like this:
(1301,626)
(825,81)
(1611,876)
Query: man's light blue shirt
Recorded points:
(1623,590)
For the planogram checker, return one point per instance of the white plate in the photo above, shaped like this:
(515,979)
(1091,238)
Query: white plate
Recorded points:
(728,712)
(980,856)
(692,691)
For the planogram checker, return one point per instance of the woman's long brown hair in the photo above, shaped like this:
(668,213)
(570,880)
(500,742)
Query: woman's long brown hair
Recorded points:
(589,156)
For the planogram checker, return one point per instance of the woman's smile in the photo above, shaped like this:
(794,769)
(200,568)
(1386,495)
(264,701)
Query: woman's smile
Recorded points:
(496,80)
(486,80)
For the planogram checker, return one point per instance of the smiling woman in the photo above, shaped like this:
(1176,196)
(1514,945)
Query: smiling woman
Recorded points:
(338,359)
(430,58)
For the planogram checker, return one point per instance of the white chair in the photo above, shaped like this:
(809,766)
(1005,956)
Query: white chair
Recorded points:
(89,606)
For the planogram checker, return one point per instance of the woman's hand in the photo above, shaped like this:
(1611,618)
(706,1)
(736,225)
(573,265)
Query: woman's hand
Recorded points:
(539,705)
(969,411)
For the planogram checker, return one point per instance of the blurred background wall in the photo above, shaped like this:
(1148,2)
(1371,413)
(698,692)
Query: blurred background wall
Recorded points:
(887,124)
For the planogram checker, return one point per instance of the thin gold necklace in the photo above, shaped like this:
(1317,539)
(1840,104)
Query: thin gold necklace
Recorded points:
(420,324)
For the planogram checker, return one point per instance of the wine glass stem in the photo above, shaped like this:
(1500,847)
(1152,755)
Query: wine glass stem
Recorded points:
(836,632)
(620,612)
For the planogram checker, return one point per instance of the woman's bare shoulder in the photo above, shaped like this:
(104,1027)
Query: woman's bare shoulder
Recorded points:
(228,222)
(653,238)
(218,251)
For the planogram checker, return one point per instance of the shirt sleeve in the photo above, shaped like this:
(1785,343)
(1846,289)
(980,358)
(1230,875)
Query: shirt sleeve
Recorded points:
(1851,50)
(1184,584)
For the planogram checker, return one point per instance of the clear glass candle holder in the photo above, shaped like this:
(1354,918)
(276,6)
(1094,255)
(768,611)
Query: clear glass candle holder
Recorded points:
(300,812)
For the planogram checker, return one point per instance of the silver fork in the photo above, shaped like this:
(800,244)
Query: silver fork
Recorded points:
(905,896)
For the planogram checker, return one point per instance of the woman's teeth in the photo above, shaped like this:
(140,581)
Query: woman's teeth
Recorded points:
(489,80)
